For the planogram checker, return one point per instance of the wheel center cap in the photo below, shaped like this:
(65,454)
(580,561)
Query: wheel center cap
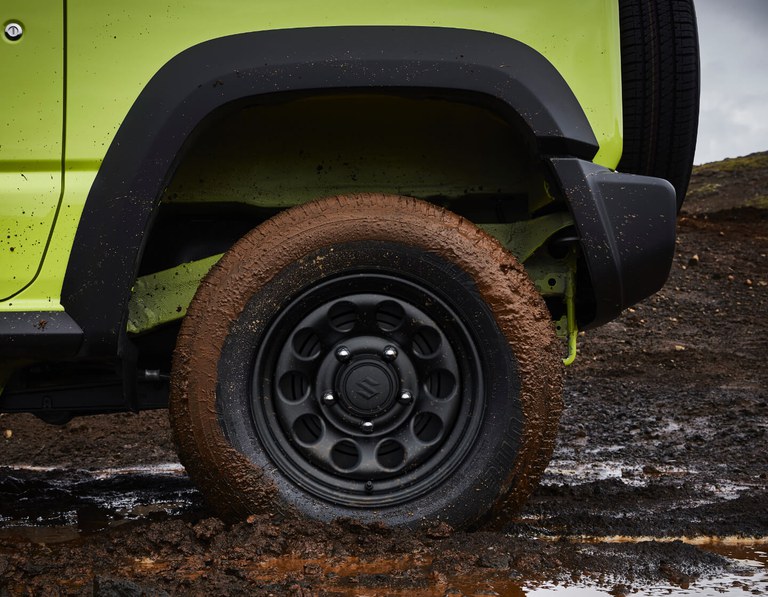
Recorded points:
(368,387)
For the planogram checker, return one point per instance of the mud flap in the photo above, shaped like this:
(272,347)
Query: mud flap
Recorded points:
(626,225)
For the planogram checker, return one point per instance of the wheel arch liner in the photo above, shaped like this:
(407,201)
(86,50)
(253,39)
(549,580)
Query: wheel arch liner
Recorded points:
(506,75)
(626,225)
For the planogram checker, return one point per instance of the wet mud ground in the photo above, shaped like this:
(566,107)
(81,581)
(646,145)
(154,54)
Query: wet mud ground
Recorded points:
(659,483)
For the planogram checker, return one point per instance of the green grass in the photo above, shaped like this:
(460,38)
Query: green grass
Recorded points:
(753,161)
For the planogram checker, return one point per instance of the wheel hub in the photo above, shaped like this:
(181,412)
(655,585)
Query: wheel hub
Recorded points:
(368,387)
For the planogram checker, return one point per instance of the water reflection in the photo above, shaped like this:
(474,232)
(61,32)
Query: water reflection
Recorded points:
(49,506)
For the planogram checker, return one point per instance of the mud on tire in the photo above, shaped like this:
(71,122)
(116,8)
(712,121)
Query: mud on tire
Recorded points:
(367,356)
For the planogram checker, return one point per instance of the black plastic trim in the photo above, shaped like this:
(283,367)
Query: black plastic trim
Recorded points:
(58,404)
(626,225)
(483,68)
(39,334)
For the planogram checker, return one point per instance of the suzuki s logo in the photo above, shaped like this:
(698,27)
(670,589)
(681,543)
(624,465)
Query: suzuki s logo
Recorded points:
(367,388)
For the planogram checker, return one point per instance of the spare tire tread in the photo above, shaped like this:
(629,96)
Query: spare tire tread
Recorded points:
(660,88)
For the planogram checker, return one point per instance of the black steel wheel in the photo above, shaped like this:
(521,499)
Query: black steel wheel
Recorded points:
(369,377)
(376,397)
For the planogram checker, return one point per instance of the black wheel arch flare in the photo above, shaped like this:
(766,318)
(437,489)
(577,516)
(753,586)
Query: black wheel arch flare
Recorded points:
(503,74)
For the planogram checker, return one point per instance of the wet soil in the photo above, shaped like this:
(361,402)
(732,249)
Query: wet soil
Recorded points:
(659,481)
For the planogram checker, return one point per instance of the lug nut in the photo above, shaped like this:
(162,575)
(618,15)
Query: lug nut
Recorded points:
(390,353)
(406,397)
(367,426)
(329,398)
(343,354)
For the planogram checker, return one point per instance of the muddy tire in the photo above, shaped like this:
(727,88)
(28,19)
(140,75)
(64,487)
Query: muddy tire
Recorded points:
(660,89)
(372,357)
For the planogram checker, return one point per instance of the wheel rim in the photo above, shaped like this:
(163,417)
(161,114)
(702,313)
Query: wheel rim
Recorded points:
(367,390)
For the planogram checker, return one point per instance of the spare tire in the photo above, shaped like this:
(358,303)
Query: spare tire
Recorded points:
(660,88)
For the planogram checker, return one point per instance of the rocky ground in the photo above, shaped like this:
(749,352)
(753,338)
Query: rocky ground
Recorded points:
(659,482)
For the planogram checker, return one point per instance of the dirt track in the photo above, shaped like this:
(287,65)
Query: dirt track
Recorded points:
(660,470)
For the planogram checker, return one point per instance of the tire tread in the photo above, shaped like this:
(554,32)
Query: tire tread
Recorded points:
(660,89)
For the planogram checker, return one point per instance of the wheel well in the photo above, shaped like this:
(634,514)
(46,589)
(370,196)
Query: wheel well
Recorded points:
(244,167)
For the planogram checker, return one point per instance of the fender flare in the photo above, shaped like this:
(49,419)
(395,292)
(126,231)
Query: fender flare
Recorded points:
(202,82)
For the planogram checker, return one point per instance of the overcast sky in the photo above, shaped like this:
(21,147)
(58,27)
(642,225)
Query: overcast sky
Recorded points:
(733,37)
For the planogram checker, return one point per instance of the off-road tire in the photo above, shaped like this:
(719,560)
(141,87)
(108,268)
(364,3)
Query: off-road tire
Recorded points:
(229,418)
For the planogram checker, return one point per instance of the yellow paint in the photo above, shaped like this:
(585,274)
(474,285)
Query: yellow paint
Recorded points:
(31,121)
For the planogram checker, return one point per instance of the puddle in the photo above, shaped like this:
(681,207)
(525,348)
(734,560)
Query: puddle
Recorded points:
(43,505)
(573,472)
(55,506)
(749,555)
(414,574)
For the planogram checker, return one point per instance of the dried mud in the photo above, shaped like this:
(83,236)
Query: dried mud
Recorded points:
(659,480)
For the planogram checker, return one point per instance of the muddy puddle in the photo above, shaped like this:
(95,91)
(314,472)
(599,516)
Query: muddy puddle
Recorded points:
(750,557)
(53,508)
(47,505)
